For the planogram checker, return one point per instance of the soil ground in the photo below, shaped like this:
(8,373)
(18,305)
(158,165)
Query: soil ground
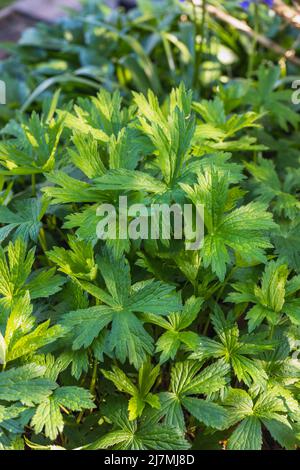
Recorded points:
(18,16)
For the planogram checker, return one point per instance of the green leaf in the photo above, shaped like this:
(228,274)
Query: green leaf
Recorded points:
(283,434)
(143,434)
(127,337)
(25,221)
(247,436)
(211,414)
(3,349)
(271,298)
(34,150)
(69,189)
(25,384)
(154,297)
(43,283)
(48,415)
(129,180)
(74,398)
(120,380)
(34,340)
(78,262)
(87,324)
(244,229)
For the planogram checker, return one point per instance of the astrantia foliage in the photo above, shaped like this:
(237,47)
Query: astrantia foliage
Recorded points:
(143,344)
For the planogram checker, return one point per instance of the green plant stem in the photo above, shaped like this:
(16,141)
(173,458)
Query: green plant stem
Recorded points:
(33,185)
(94,377)
(200,31)
(79,418)
(92,388)
(42,240)
(205,329)
(254,42)
(271,331)
(195,285)
(228,277)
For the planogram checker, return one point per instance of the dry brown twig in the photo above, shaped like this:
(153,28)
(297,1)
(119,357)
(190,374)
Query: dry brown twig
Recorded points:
(291,15)
(261,39)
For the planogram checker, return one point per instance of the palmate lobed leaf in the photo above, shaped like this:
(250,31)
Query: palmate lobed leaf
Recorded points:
(275,296)
(247,436)
(233,348)
(127,336)
(139,435)
(25,222)
(16,280)
(140,393)
(25,384)
(244,229)
(48,414)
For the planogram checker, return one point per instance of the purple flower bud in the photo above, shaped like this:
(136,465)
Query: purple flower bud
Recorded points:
(246,3)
